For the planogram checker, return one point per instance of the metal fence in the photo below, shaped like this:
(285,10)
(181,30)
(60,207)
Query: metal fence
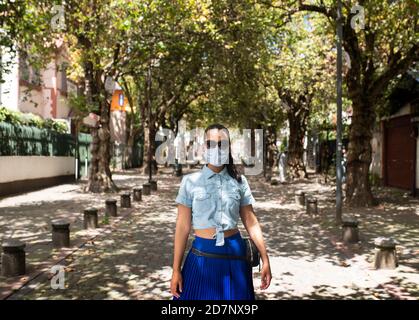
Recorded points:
(20,140)
(84,154)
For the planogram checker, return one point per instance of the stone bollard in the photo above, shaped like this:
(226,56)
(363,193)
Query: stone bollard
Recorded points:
(300,198)
(60,233)
(153,184)
(111,208)
(126,200)
(137,194)
(350,233)
(13,261)
(311,206)
(90,218)
(146,189)
(385,255)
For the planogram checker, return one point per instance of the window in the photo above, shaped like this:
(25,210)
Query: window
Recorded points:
(24,69)
(63,69)
(28,73)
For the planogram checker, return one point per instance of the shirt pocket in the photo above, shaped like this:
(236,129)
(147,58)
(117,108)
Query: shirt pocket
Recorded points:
(202,204)
(233,204)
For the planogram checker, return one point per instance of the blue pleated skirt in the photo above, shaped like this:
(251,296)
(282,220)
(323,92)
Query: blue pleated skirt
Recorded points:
(206,278)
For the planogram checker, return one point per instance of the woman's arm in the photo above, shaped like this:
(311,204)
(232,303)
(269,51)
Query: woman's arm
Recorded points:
(183,227)
(252,226)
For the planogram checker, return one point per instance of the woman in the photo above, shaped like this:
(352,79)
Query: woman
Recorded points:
(212,200)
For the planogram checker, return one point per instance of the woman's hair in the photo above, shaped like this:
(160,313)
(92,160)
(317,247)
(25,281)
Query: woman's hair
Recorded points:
(231,167)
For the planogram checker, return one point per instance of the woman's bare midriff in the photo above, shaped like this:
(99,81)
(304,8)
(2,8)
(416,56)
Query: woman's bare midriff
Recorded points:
(209,233)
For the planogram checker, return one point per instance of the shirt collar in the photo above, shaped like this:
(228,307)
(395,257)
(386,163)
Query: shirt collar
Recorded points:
(208,173)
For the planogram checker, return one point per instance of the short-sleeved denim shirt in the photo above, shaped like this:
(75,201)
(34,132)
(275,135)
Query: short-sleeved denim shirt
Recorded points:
(215,199)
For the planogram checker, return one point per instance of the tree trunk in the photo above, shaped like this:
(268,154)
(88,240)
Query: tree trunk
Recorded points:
(358,189)
(100,178)
(272,152)
(295,161)
(149,146)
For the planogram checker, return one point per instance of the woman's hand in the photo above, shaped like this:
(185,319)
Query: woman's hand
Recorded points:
(266,276)
(176,283)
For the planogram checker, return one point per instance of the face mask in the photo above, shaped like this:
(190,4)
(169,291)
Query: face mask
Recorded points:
(216,156)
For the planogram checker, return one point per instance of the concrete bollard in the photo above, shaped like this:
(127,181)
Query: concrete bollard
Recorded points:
(60,233)
(137,194)
(350,233)
(385,255)
(90,218)
(300,198)
(311,206)
(126,200)
(13,260)
(153,184)
(146,189)
(111,208)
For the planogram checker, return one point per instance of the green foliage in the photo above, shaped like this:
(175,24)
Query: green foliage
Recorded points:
(29,119)
(284,144)
(239,62)
(26,27)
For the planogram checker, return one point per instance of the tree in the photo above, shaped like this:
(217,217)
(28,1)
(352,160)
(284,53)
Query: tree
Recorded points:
(383,49)
(303,80)
(240,90)
(25,27)
(95,30)
(166,62)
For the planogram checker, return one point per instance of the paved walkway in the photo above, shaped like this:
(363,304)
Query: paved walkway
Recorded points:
(131,257)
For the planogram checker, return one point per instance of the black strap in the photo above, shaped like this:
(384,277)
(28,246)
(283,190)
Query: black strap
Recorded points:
(214,255)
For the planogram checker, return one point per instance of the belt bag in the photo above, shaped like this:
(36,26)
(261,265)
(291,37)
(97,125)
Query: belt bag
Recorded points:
(252,254)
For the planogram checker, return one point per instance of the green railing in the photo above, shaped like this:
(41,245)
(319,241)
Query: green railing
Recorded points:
(85,155)
(21,140)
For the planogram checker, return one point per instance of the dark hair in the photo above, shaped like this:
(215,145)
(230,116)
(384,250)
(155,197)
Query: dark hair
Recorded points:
(231,167)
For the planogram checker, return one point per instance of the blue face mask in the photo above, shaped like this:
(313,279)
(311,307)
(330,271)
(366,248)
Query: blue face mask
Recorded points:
(217,156)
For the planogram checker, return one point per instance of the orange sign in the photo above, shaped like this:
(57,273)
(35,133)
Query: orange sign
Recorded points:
(119,101)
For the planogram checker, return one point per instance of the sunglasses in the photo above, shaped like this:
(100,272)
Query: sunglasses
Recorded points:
(213,144)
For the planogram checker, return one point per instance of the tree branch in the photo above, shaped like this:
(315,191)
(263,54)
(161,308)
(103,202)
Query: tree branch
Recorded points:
(395,67)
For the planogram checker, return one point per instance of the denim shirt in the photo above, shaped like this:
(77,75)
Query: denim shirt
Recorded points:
(215,199)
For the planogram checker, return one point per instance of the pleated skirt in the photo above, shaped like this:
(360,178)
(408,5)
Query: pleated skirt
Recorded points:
(206,278)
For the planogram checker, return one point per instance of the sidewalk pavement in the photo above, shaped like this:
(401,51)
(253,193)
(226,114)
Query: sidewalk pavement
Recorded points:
(131,258)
